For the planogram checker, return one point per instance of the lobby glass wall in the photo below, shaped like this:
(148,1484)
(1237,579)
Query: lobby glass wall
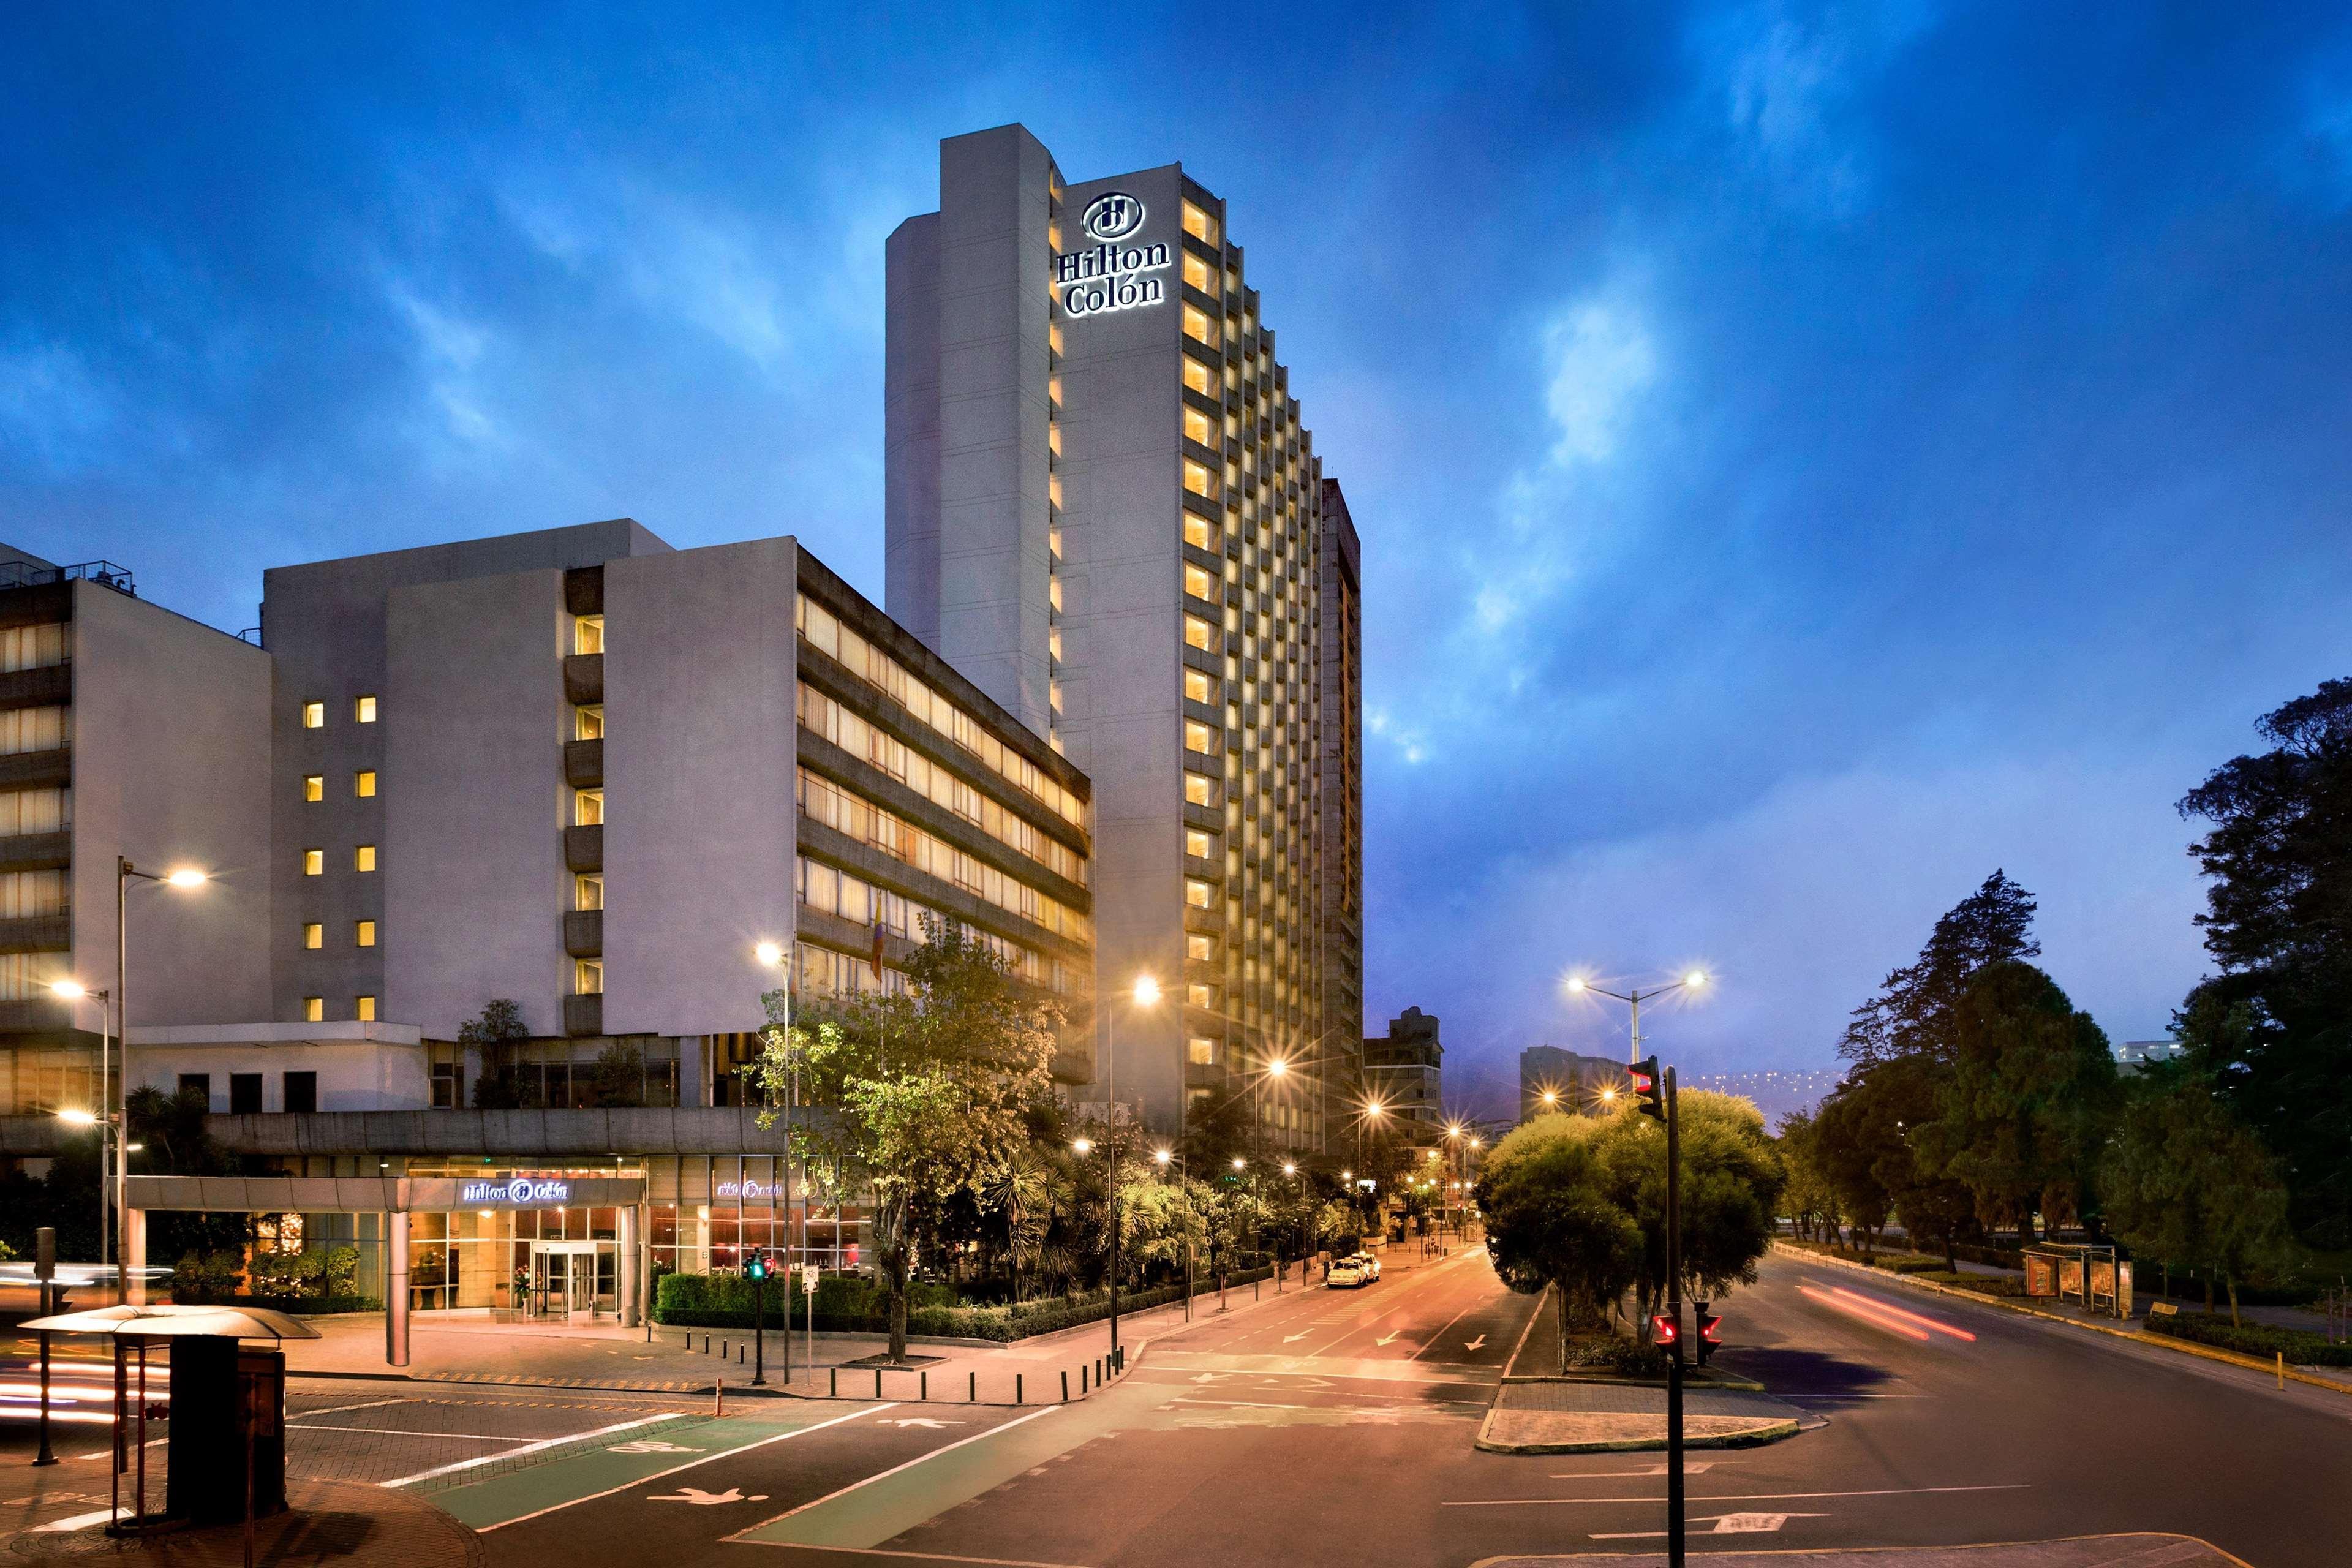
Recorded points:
(708,1211)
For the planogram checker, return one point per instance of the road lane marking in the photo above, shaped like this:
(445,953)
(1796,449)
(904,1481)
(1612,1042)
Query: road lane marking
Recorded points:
(1725,1524)
(1736,1496)
(1690,1468)
(1433,1339)
(690,1464)
(345,1409)
(531,1449)
(412,1432)
(910,1464)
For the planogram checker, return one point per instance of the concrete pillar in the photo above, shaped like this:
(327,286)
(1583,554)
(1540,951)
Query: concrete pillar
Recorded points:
(396,1289)
(624,1266)
(135,1256)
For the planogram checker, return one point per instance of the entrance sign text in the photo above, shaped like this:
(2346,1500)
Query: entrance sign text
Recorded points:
(521,1193)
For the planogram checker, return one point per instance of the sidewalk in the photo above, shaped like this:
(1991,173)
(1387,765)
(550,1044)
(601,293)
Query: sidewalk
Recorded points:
(696,1361)
(366,1526)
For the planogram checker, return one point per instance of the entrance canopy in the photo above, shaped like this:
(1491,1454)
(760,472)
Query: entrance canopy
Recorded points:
(381,1194)
(162,1321)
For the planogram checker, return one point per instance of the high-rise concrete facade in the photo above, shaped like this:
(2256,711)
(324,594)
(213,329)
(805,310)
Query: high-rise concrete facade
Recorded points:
(1103,508)
(1339,837)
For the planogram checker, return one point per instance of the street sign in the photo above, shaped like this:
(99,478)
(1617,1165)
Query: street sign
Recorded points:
(808,1278)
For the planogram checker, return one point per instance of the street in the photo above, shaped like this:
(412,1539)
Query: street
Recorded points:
(1336,1426)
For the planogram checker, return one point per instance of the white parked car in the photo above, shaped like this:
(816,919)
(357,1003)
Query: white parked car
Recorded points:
(1345,1274)
(1369,1264)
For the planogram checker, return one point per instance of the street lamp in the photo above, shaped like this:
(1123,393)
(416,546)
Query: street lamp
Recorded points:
(1692,980)
(1145,993)
(74,991)
(770,955)
(183,877)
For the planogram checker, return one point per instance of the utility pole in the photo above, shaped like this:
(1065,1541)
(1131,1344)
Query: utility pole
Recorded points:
(1675,1312)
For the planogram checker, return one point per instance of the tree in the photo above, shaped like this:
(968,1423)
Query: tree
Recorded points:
(2186,1183)
(1731,1182)
(1554,1217)
(496,1086)
(618,1078)
(1880,1161)
(1992,925)
(2031,1091)
(923,1091)
(1809,1200)
(2272,1031)
(1843,1147)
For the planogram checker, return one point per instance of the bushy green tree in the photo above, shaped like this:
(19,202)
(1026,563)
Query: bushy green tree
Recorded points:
(1908,1014)
(2272,1031)
(921,1093)
(1807,1199)
(1555,1217)
(2031,1093)
(2185,1181)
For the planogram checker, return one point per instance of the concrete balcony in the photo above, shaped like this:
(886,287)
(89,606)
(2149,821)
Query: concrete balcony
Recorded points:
(40,687)
(583,932)
(583,763)
(35,851)
(39,1015)
(510,1134)
(36,933)
(583,1015)
(27,769)
(583,848)
(583,678)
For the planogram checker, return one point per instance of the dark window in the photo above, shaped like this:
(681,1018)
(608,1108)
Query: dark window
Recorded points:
(449,1086)
(302,1091)
(199,1082)
(244,1093)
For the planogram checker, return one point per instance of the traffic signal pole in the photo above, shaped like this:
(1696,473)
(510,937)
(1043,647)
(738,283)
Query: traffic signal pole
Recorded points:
(1675,1312)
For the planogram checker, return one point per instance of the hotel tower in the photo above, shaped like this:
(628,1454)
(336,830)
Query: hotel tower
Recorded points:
(1103,509)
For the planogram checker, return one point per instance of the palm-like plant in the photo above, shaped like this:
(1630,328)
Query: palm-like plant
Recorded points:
(1021,1191)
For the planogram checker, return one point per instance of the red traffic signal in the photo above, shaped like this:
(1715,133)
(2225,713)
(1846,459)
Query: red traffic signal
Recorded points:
(1664,1332)
(1645,1074)
(1710,1333)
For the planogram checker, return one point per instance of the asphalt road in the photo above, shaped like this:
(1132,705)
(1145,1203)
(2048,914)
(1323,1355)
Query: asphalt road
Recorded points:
(1335,1427)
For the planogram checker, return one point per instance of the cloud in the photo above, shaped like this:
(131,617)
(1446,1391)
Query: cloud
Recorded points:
(53,411)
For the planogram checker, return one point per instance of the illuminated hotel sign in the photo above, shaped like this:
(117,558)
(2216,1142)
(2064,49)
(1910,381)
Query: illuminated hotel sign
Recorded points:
(1109,275)
(753,1190)
(521,1193)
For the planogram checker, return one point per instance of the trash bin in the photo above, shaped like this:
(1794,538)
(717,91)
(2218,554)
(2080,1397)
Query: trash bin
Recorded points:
(228,1408)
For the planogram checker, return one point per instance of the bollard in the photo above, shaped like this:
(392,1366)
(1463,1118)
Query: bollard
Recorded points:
(1098,1366)
(925,1385)
(832,1382)
(877,1383)
(739,1355)
(972,1391)
(719,1398)
(1065,1385)
(2282,1370)
(1016,1388)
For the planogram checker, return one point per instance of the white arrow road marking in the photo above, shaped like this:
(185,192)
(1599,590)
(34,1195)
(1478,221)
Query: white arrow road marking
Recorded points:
(1725,1524)
(1289,1339)
(1206,1377)
(1473,1344)
(922,1421)
(650,1445)
(701,1499)
(1385,1339)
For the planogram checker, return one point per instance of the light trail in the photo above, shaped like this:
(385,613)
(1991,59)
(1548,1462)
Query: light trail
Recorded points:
(1856,1310)
(1922,1319)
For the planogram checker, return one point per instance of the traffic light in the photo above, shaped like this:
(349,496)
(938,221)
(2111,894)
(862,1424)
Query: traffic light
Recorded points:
(1666,1333)
(755,1265)
(1645,1074)
(1710,1333)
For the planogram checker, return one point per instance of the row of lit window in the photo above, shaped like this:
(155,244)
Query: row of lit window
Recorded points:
(36,811)
(314,1009)
(821,716)
(834,892)
(824,802)
(878,669)
(34,730)
(35,647)
(314,861)
(314,934)
(314,714)
(314,785)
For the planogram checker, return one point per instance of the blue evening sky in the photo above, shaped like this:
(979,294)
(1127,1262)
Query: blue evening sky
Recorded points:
(1807,457)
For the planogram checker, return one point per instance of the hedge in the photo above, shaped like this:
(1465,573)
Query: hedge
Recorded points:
(849,1304)
(2300,1346)
(298,1306)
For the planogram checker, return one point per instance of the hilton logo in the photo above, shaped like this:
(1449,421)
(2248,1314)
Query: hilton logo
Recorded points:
(519,1193)
(1114,215)
(1111,276)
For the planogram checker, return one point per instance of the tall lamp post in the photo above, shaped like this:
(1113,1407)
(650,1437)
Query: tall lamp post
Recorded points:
(770,955)
(115,1106)
(1145,993)
(1694,980)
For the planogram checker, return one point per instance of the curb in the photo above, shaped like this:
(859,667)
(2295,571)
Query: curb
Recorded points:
(2133,1336)
(1763,1432)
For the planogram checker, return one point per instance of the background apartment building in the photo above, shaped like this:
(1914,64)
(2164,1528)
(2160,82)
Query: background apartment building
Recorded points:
(1102,507)
(1553,1080)
(126,732)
